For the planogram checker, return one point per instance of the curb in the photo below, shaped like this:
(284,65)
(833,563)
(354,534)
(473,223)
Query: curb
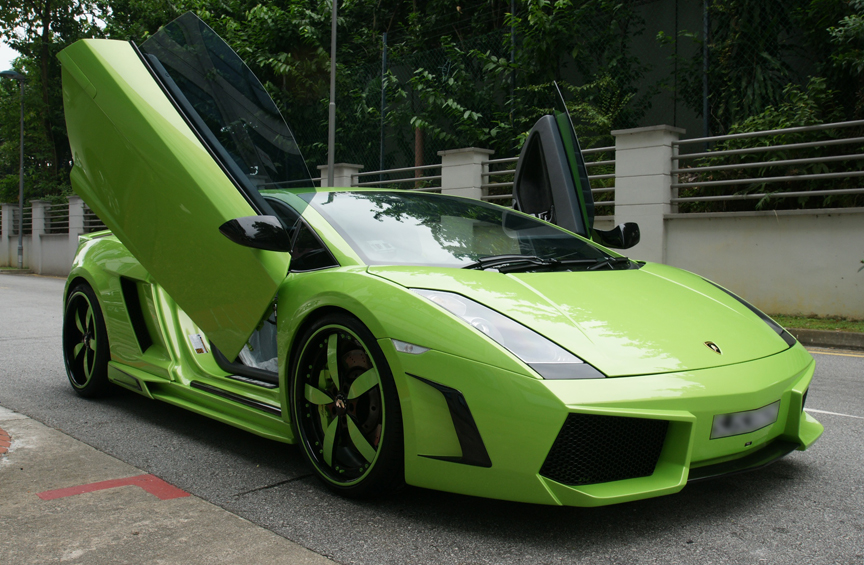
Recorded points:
(827,338)
(16,271)
(5,442)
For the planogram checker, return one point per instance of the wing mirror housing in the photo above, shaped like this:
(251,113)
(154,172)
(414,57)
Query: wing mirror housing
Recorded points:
(258,232)
(622,236)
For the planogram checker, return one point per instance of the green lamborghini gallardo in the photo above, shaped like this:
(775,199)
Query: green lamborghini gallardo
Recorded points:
(397,336)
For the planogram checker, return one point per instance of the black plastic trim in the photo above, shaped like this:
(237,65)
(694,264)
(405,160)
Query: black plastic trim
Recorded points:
(763,457)
(473,449)
(132,298)
(243,370)
(236,398)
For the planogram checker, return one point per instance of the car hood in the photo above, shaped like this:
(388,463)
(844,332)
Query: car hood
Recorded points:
(656,319)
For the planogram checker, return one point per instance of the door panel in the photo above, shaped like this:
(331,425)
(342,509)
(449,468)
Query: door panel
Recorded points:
(141,168)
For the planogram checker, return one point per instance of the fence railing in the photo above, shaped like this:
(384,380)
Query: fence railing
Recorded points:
(499,190)
(727,172)
(396,178)
(91,221)
(57,218)
(28,220)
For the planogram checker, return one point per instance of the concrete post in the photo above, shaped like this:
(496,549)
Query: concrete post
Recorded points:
(39,207)
(5,233)
(643,164)
(342,174)
(462,171)
(76,224)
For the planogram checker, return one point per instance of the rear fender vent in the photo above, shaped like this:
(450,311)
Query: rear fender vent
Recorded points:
(594,449)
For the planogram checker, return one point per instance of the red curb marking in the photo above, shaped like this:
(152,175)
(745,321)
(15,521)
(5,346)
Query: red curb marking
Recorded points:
(153,485)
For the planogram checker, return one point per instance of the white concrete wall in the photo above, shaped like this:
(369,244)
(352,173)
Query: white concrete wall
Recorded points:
(54,258)
(788,262)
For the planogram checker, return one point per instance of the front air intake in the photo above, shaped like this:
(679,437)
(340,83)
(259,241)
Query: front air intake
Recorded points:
(594,449)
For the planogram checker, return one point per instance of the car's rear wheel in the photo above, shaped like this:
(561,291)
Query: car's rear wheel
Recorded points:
(85,343)
(346,408)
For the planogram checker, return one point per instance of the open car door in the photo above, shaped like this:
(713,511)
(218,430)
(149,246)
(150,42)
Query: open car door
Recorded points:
(551,180)
(170,141)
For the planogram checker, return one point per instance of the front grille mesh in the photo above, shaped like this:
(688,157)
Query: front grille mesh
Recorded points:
(593,449)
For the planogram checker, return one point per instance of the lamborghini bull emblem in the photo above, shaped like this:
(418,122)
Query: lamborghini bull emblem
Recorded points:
(713,347)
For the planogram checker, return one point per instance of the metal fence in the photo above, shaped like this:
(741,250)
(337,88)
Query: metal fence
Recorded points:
(57,218)
(28,220)
(813,166)
(498,185)
(91,221)
(423,178)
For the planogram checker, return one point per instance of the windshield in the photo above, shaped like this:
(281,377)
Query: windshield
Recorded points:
(227,105)
(414,228)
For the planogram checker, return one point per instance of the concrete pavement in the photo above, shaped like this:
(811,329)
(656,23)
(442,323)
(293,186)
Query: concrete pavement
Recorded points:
(64,501)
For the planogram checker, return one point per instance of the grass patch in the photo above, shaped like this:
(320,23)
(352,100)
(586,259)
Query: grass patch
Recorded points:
(835,324)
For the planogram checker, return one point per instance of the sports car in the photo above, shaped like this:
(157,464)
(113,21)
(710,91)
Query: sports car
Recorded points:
(398,337)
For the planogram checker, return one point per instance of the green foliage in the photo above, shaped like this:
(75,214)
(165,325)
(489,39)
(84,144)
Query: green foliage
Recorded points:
(813,105)
(38,31)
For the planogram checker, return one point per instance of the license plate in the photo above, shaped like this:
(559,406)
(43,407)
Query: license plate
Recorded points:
(738,423)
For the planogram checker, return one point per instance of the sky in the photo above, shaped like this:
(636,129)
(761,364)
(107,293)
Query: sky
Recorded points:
(6,56)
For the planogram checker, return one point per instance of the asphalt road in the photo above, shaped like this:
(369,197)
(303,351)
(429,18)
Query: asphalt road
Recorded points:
(806,508)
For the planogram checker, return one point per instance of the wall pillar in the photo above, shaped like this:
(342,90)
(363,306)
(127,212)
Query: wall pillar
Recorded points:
(343,174)
(462,171)
(38,228)
(5,234)
(76,224)
(643,178)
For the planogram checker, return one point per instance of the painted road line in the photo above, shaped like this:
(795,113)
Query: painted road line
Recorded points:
(833,413)
(154,485)
(838,354)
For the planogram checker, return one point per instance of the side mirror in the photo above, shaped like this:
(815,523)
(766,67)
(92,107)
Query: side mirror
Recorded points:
(622,236)
(258,232)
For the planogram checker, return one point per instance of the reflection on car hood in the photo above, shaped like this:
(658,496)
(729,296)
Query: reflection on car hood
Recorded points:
(651,320)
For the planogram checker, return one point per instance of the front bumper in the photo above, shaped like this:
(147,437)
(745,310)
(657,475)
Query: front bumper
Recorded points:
(519,419)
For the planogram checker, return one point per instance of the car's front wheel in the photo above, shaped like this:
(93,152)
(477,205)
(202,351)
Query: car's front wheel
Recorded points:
(85,343)
(346,408)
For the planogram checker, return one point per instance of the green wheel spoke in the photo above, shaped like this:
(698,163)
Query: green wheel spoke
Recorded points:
(333,358)
(316,396)
(364,383)
(363,446)
(88,318)
(77,350)
(78,321)
(329,441)
(87,368)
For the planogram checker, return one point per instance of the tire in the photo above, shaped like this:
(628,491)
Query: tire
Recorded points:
(85,343)
(349,427)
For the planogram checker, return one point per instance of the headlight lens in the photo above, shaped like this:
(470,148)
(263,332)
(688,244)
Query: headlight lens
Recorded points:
(542,355)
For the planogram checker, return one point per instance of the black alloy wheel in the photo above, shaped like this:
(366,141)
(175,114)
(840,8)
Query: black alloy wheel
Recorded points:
(346,408)
(85,343)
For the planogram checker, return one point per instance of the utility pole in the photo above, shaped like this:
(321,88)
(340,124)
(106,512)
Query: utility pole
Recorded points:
(331,130)
(15,75)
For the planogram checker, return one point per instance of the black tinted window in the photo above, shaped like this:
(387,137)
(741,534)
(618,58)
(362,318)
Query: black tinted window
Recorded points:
(227,104)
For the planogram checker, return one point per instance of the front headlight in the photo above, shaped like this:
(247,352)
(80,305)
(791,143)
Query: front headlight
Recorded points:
(547,358)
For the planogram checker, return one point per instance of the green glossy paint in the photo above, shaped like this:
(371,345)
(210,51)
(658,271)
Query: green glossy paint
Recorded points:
(143,171)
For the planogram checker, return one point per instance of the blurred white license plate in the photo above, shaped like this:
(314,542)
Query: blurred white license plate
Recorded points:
(738,423)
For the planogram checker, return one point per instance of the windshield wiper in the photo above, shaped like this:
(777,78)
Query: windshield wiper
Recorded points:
(521,263)
(501,260)
(610,262)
